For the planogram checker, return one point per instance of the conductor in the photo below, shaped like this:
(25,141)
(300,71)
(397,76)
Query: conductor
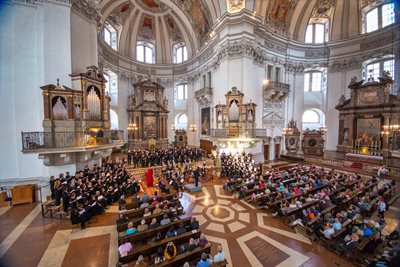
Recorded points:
(196,176)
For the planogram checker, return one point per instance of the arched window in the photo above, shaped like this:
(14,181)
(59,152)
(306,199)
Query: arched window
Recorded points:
(180,53)
(313,81)
(114,119)
(181,121)
(375,68)
(317,33)
(313,119)
(110,35)
(181,92)
(145,52)
(111,86)
(378,17)
(310,116)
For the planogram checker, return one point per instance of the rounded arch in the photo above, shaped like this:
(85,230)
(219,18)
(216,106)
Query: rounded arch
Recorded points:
(114,119)
(181,121)
(312,119)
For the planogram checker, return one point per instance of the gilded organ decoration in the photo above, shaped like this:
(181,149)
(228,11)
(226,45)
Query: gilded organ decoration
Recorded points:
(80,108)
(235,116)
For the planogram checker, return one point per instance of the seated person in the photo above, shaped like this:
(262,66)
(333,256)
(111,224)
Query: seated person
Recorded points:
(144,205)
(143,226)
(154,223)
(145,197)
(337,226)
(140,262)
(157,210)
(160,256)
(135,198)
(202,241)
(181,229)
(328,231)
(171,232)
(146,213)
(204,261)
(192,244)
(170,251)
(166,220)
(194,224)
(158,237)
(121,200)
(220,256)
(122,218)
(131,229)
(125,247)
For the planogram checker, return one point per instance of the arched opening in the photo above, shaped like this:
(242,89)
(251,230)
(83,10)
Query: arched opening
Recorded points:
(181,121)
(113,119)
(313,119)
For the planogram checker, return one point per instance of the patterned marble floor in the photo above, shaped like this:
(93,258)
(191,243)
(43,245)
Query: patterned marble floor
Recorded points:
(249,237)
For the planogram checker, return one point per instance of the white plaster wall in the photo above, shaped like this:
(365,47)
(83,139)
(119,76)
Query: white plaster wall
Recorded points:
(37,52)
(83,43)
(124,89)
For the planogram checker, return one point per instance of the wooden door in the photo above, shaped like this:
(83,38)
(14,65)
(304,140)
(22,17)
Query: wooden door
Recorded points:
(277,151)
(266,152)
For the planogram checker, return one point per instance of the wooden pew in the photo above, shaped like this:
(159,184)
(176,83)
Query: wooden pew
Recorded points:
(123,226)
(189,256)
(136,205)
(151,248)
(151,233)
(131,214)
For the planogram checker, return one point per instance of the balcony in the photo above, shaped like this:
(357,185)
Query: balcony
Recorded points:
(49,142)
(276,90)
(239,133)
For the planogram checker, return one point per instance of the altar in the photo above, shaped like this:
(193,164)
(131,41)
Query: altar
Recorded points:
(148,116)
(369,124)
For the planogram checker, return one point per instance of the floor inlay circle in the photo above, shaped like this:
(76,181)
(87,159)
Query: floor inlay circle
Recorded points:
(220,212)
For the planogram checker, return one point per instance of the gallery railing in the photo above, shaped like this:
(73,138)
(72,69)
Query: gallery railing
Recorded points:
(48,140)
(240,133)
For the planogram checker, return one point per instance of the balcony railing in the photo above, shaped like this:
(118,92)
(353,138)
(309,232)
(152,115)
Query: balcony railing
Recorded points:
(241,133)
(48,140)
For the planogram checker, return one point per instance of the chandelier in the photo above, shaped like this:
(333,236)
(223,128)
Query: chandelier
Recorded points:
(192,128)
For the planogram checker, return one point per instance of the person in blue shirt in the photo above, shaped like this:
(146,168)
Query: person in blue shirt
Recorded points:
(131,229)
(337,226)
(204,261)
(145,197)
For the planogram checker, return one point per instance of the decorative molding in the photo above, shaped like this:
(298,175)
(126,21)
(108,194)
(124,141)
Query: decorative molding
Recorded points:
(88,8)
(377,43)
(323,9)
(317,53)
(235,5)
(345,64)
(204,96)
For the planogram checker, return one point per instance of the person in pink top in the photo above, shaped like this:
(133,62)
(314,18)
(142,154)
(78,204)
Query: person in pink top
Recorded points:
(125,247)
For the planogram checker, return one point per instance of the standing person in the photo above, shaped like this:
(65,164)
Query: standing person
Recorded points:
(57,191)
(382,171)
(149,177)
(382,207)
(196,176)
(51,182)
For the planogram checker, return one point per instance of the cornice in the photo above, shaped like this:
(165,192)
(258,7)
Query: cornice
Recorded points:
(294,56)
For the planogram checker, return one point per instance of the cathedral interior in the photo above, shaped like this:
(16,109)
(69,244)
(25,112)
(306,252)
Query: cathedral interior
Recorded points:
(269,123)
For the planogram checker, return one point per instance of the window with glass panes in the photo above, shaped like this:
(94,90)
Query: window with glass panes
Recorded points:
(315,33)
(380,17)
(181,92)
(375,69)
(110,36)
(180,54)
(145,52)
(312,81)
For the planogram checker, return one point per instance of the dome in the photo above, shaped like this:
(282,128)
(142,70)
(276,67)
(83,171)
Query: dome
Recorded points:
(159,23)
